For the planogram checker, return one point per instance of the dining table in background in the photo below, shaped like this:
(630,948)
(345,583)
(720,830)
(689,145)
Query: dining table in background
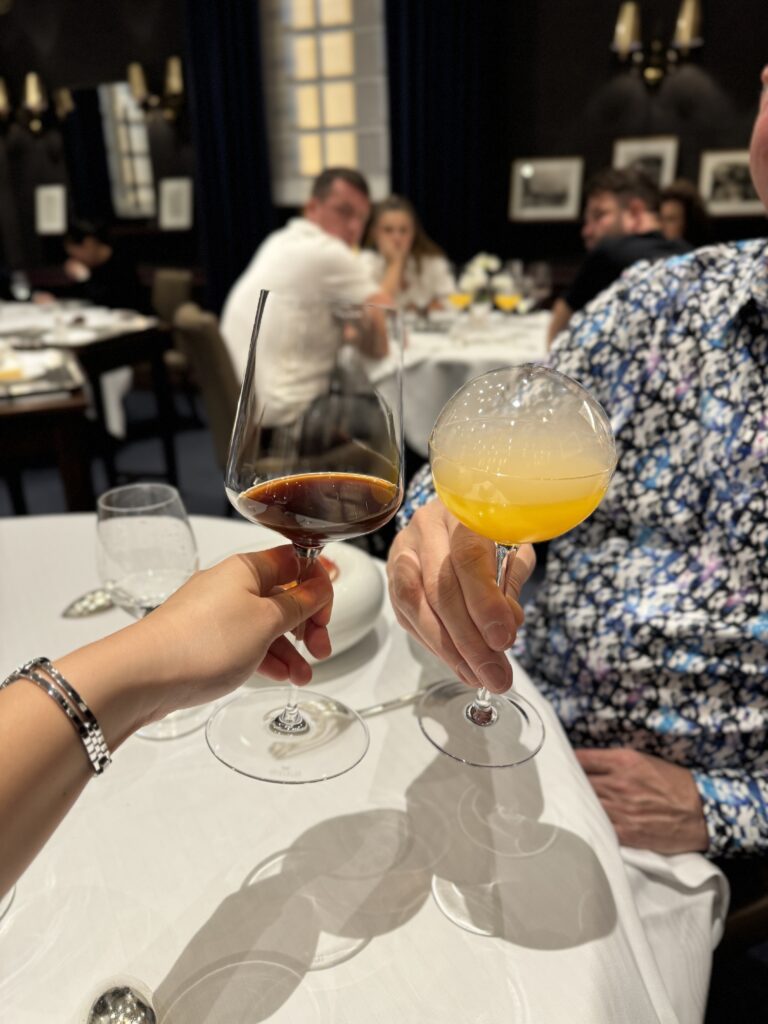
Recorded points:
(45,424)
(106,343)
(446,350)
(234,900)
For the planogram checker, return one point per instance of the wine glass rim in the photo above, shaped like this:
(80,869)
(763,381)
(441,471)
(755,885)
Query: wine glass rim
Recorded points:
(107,501)
(282,296)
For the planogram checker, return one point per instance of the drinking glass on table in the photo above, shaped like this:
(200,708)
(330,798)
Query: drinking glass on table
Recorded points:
(316,455)
(460,300)
(145,551)
(519,455)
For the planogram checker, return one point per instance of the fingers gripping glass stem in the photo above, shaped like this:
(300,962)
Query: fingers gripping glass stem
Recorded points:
(480,711)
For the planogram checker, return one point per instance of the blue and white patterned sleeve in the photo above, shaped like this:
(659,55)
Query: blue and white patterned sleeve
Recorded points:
(420,490)
(735,806)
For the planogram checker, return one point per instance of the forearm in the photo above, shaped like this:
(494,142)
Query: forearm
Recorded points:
(735,804)
(45,765)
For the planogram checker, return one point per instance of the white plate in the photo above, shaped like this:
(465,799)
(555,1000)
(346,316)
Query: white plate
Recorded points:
(30,365)
(358,589)
(69,336)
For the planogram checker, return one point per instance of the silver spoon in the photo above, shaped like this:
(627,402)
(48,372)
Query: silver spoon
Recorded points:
(121,1005)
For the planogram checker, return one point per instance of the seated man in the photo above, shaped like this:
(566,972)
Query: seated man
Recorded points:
(649,633)
(101,273)
(621,226)
(313,259)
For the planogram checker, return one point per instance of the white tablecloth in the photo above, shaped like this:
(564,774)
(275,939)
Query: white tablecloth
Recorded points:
(320,902)
(438,363)
(64,326)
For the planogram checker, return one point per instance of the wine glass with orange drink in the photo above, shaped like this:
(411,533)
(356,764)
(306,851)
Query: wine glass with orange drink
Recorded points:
(519,455)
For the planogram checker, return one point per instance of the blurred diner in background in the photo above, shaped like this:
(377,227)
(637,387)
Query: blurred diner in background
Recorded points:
(495,175)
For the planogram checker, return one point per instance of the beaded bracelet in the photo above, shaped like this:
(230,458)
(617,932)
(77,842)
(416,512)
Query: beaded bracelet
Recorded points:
(71,703)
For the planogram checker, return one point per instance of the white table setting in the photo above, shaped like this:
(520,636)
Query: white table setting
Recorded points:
(445,351)
(232,900)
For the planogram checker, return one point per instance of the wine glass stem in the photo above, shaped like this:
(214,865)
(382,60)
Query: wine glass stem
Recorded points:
(480,711)
(290,719)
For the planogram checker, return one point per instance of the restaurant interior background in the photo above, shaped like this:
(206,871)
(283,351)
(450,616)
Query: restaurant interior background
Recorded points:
(470,88)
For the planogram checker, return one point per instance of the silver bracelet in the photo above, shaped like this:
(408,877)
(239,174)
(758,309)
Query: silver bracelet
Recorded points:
(71,703)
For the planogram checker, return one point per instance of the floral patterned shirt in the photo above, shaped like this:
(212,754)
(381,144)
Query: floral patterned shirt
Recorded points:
(650,628)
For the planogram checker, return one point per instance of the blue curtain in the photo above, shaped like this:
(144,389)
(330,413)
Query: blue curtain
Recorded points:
(456,68)
(229,130)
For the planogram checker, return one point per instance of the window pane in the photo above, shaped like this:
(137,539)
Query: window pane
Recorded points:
(304,57)
(337,54)
(310,155)
(335,12)
(302,14)
(340,149)
(307,106)
(338,104)
(143,171)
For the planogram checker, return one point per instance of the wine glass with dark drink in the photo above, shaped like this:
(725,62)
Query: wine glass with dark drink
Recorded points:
(316,455)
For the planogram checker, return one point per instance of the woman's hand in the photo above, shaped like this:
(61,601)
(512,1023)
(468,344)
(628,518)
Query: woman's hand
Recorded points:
(442,582)
(224,624)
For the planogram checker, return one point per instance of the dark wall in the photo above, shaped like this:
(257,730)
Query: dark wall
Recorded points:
(80,44)
(474,84)
(578,98)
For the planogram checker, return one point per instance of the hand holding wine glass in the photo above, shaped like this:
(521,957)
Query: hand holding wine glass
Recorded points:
(316,455)
(518,455)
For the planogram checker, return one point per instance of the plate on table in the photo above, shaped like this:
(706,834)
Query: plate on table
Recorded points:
(358,590)
(24,366)
(69,336)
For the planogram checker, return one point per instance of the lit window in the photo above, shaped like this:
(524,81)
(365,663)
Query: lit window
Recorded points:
(338,55)
(339,104)
(127,143)
(307,107)
(336,12)
(326,86)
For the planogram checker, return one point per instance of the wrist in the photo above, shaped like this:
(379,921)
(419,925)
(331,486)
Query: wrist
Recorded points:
(117,679)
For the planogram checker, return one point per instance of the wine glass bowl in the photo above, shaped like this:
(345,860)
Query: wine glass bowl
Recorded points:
(316,456)
(145,550)
(519,455)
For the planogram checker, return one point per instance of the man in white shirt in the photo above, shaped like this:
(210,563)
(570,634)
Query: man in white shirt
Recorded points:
(313,259)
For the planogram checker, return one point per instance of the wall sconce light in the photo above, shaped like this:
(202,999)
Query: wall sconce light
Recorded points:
(35,104)
(658,59)
(137,83)
(63,103)
(5,102)
(173,95)
(172,100)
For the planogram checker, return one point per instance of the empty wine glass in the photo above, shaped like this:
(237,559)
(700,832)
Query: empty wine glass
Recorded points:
(145,551)
(316,455)
(519,455)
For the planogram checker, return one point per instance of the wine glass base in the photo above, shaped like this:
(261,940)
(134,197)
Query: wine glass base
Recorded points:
(239,734)
(512,738)
(176,724)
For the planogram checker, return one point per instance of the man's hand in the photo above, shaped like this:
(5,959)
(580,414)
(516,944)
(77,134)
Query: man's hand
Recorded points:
(442,582)
(652,803)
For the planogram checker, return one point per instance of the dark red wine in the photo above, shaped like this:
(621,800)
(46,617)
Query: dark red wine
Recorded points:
(313,508)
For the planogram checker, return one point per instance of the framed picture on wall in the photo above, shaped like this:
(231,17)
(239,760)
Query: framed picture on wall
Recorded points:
(546,188)
(655,156)
(725,184)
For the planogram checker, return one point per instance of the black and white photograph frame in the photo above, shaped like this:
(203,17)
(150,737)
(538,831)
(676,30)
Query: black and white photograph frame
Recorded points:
(546,188)
(654,155)
(726,185)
